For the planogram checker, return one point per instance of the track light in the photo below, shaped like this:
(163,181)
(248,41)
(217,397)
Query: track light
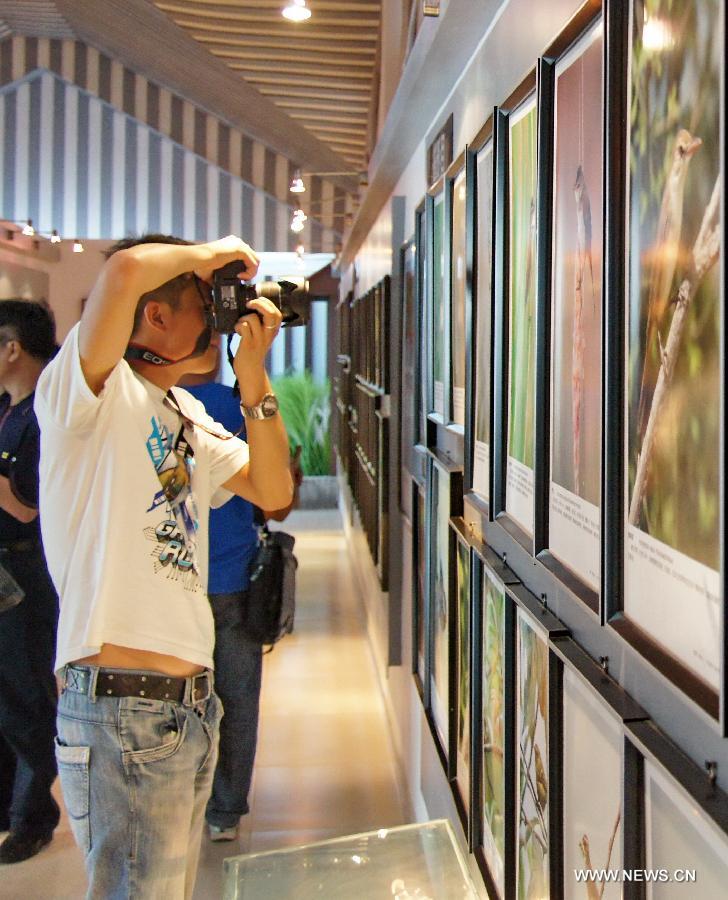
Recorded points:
(297,185)
(296,11)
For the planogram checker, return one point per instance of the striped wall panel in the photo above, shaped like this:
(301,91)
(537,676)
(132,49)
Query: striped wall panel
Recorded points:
(76,163)
(105,84)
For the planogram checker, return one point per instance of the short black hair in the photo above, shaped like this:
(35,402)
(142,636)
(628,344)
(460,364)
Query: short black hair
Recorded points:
(170,291)
(31,323)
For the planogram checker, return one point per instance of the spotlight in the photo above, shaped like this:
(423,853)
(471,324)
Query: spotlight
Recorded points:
(77,246)
(297,185)
(296,11)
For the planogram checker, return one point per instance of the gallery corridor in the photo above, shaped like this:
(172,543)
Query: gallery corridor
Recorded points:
(324,765)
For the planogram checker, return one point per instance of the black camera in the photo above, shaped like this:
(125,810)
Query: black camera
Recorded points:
(230,297)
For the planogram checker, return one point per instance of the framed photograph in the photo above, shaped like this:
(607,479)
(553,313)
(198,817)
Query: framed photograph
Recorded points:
(455,186)
(577,215)
(419,582)
(681,831)
(521,286)
(493,637)
(462,675)
(408,374)
(437,303)
(481,202)
(538,731)
(420,325)
(594,710)
(444,501)
(673,604)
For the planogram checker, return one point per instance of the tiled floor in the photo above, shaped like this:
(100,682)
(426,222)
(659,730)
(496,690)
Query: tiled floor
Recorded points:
(324,765)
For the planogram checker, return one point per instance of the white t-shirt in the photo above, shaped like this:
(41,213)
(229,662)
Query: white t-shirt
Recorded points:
(115,551)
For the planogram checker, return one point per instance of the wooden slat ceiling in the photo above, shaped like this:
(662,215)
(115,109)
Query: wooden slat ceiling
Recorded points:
(319,72)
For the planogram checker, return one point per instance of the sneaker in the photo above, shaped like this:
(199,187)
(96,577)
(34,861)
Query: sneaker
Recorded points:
(219,833)
(19,845)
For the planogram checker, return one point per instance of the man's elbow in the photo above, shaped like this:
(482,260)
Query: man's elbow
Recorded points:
(278,496)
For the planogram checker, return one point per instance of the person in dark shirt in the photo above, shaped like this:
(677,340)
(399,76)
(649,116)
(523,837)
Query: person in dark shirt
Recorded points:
(27,629)
(238,659)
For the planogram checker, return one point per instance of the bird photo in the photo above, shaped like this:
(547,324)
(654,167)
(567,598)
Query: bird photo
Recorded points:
(577,284)
(676,57)
(532,729)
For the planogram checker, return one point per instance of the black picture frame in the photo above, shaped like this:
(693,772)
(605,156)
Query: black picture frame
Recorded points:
(651,758)
(456,235)
(409,387)
(625,541)
(480,244)
(595,710)
(437,286)
(421,319)
(444,501)
(491,791)
(525,94)
(419,581)
(535,629)
(461,670)
(572,513)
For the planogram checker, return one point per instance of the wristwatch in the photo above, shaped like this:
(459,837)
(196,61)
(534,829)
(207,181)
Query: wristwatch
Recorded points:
(267,408)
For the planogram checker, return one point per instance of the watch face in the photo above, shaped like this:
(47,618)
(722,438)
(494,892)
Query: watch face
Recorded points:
(269,406)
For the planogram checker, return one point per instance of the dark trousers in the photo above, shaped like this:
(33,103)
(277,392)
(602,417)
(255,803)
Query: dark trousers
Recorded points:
(238,666)
(28,698)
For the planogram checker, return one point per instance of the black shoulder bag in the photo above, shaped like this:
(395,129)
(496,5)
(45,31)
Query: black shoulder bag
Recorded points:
(270,601)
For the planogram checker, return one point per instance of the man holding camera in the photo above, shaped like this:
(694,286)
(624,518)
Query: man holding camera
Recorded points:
(129,470)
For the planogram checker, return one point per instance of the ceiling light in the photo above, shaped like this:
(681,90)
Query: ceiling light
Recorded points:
(55,237)
(296,11)
(77,246)
(297,185)
(297,226)
(28,228)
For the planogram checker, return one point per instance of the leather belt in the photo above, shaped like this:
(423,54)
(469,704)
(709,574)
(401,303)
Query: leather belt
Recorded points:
(150,685)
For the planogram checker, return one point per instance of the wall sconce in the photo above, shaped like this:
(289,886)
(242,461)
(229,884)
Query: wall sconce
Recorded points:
(431,7)
(77,246)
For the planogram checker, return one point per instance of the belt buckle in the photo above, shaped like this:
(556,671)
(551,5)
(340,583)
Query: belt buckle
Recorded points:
(203,677)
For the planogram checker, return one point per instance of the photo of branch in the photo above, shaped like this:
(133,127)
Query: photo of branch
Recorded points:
(592,819)
(532,752)
(493,800)
(674,239)
(463,679)
(577,266)
(522,294)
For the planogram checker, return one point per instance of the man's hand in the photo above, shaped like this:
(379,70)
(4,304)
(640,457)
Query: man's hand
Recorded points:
(256,336)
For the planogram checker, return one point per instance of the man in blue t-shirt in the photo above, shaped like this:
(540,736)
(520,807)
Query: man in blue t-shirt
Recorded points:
(238,660)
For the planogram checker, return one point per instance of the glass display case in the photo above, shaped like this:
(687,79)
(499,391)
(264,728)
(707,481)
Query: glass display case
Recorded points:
(411,862)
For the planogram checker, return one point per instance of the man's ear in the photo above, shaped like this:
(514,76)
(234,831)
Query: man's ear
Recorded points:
(156,314)
(15,348)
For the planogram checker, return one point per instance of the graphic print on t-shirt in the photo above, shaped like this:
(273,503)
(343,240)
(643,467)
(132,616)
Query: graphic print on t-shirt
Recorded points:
(175,535)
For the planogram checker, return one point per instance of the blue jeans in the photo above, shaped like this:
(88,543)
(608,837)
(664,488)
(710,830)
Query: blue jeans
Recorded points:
(136,774)
(238,665)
